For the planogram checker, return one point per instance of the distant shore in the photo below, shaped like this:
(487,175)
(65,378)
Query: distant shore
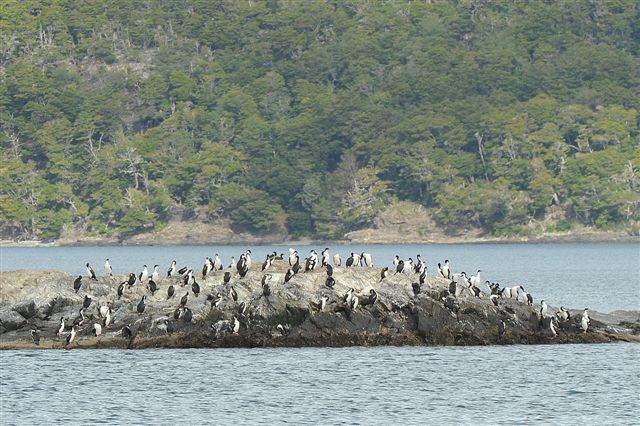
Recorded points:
(165,239)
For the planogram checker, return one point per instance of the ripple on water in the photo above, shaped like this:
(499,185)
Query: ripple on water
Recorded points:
(382,385)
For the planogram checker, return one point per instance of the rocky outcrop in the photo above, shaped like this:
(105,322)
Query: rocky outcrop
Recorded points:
(287,314)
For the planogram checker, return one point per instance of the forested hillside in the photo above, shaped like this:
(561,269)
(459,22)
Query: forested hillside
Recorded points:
(311,117)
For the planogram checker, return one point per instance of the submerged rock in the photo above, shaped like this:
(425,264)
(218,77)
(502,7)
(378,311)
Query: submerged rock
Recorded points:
(301,312)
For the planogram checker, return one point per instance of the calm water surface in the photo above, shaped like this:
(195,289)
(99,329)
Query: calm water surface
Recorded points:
(602,276)
(570,384)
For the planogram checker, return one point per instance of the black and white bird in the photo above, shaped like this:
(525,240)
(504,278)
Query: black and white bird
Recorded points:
(242,309)
(217,263)
(97,329)
(399,267)
(184,299)
(494,299)
(288,275)
(265,278)
(70,337)
(155,275)
(396,260)
(502,328)
(233,262)
(563,314)
(552,327)
(475,280)
(329,270)
(108,270)
(207,267)
(183,270)
(330,282)
(373,297)
(172,269)
(121,288)
(126,332)
(585,320)
(35,335)
(323,303)
(77,283)
(235,325)
(353,304)
(141,305)
(293,257)
(233,294)
(79,320)
(337,261)
(282,330)
(266,290)
(86,302)
(61,328)
(227,277)
(445,270)
(543,309)
(325,257)
(384,273)
(366,260)
(90,272)
(153,287)
(195,288)
(215,300)
(132,279)
(350,261)
(187,315)
(144,275)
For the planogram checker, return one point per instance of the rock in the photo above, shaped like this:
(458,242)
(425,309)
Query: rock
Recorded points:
(433,317)
(10,320)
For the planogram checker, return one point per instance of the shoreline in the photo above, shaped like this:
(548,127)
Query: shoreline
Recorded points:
(583,237)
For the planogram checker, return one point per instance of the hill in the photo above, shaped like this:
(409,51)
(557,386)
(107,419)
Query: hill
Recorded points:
(312,118)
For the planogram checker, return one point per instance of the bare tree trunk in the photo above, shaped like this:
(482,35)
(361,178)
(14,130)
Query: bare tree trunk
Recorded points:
(479,138)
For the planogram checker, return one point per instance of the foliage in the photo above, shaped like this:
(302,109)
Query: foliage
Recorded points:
(311,116)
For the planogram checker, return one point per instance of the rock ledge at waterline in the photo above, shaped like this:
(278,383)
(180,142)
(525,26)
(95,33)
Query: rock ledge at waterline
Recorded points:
(30,300)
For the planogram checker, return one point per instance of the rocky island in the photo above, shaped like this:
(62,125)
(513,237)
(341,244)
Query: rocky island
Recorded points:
(337,306)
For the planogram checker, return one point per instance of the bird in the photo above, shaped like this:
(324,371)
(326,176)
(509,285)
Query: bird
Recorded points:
(236,325)
(121,289)
(584,322)
(336,260)
(155,275)
(107,319)
(265,278)
(373,296)
(323,303)
(97,329)
(563,314)
(187,315)
(416,289)
(494,299)
(132,279)
(282,329)
(350,261)
(384,273)
(172,269)
(242,309)
(233,294)
(396,260)
(86,302)
(104,310)
(227,277)
(354,303)
(153,287)
(329,270)
(423,277)
(366,260)
(475,280)
(108,270)
(217,263)
(90,272)
(195,288)
(77,283)
(266,290)
(543,309)
(527,298)
(80,318)
(141,305)
(552,327)
(501,328)
(170,292)
(233,262)
(446,270)
(325,257)
(207,267)
(293,257)
(35,335)
(399,267)
(61,328)
(184,299)
(349,295)
(70,336)
(288,275)
(126,332)
(215,300)
(330,282)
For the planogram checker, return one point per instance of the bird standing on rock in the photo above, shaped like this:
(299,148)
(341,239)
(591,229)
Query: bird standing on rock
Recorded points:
(90,272)
(77,283)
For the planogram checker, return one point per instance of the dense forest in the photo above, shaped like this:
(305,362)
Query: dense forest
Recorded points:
(312,117)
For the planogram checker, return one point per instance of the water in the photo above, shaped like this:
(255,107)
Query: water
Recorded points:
(555,384)
(601,276)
